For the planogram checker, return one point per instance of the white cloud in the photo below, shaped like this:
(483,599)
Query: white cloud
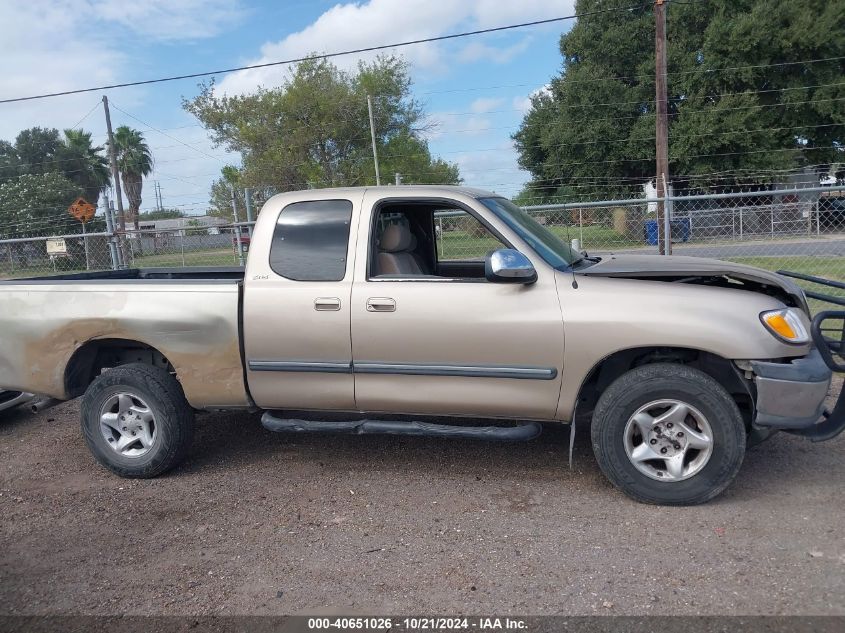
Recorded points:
(495,169)
(444,124)
(479,51)
(56,45)
(523,104)
(37,56)
(170,19)
(492,13)
(351,26)
(359,25)
(486,104)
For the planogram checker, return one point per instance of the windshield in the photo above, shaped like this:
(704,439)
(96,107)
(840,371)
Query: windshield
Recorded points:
(549,246)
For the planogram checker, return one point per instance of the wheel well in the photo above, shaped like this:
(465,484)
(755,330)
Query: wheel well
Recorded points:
(613,366)
(93,357)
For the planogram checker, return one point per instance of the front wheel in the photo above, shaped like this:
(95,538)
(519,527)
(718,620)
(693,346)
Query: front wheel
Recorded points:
(136,420)
(668,434)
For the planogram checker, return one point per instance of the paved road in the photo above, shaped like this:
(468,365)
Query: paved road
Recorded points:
(271,524)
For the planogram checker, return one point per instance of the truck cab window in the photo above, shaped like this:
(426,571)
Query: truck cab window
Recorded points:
(310,240)
(427,240)
(462,237)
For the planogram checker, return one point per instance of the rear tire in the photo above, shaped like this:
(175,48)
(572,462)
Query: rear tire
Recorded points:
(136,420)
(668,434)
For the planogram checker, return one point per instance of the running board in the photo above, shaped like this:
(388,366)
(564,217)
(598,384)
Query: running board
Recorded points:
(521,432)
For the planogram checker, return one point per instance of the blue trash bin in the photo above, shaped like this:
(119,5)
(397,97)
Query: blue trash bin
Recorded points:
(651,232)
(681,231)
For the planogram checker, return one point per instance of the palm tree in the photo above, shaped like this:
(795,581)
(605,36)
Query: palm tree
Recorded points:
(134,161)
(84,164)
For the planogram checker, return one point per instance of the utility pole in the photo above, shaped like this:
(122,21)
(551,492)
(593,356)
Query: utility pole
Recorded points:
(248,204)
(237,229)
(121,218)
(373,137)
(662,125)
(115,259)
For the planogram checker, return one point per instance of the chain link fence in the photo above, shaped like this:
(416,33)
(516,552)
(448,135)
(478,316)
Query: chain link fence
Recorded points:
(800,230)
(151,248)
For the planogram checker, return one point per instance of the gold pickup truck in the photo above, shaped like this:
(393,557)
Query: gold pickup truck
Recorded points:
(365,300)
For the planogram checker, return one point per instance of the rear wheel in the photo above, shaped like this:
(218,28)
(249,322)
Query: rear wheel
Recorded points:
(136,420)
(668,434)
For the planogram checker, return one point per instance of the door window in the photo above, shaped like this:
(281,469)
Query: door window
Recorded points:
(460,236)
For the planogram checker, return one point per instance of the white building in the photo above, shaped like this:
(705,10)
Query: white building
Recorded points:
(178,226)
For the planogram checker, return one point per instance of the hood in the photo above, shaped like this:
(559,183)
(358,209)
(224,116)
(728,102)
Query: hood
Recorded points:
(702,270)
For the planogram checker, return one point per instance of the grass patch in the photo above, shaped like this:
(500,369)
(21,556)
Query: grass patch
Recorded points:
(210,257)
(459,244)
(818,266)
(595,237)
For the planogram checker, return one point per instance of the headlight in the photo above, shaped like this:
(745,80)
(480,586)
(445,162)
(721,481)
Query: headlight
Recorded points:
(786,325)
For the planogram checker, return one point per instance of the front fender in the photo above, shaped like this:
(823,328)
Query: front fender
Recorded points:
(603,316)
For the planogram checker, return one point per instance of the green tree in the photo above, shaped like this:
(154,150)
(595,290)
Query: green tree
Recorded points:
(221,193)
(84,164)
(9,163)
(737,105)
(161,214)
(37,148)
(134,161)
(39,151)
(313,130)
(36,204)
(231,181)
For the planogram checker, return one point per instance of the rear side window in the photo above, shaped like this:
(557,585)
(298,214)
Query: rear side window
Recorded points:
(311,239)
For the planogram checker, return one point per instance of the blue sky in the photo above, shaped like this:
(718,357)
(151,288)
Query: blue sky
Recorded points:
(475,90)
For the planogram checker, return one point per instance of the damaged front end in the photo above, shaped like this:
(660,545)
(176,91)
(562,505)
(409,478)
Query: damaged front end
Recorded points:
(788,394)
(699,271)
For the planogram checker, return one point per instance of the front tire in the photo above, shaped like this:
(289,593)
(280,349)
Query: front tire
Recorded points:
(668,434)
(136,420)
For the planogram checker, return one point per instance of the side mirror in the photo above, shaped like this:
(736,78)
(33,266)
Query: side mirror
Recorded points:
(509,266)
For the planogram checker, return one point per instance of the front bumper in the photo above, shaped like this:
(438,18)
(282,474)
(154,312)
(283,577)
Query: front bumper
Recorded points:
(791,395)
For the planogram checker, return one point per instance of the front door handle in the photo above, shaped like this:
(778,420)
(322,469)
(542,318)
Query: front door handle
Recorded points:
(327,304)
(381,304)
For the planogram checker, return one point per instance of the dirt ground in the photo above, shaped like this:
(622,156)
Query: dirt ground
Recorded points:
(257,523)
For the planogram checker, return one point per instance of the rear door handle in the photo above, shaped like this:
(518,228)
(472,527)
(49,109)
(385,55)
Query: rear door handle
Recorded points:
(381,304)
(327,304)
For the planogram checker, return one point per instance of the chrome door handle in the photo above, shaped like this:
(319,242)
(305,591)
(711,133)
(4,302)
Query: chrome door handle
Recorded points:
(327,304)
(381,304)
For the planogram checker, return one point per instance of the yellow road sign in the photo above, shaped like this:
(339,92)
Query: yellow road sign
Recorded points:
(82,210)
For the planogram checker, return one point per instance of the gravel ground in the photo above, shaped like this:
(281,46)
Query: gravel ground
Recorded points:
(261,523)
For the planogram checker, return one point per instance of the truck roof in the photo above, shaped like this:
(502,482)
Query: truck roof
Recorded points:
(410,190)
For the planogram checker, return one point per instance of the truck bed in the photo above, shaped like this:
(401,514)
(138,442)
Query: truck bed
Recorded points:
(191,316)
(193,273)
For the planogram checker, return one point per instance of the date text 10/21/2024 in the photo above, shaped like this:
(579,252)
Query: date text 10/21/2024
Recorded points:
(418,624)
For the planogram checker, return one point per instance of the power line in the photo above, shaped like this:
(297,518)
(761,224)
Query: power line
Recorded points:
(82,120)
(676,158)
(705,71)
(367,49)
(352,114)
(220,158)
(166,134)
